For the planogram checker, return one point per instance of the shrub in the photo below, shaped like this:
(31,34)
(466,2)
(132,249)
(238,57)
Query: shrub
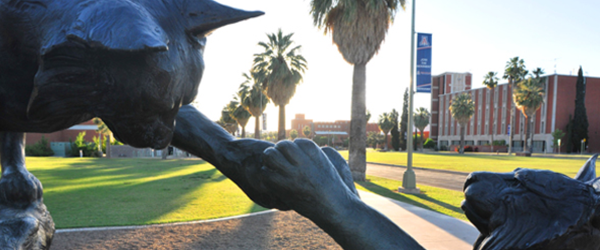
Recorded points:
(40,148)
(468,149)
(499,143)
(88,148)
(429,143)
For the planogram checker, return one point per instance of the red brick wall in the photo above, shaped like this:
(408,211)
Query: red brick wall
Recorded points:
(61,136)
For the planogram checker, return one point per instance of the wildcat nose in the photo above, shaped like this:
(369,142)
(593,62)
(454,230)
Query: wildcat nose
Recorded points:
(472,178)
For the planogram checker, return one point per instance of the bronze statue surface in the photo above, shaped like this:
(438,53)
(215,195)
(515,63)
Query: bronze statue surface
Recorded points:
(137,65)
(535,209)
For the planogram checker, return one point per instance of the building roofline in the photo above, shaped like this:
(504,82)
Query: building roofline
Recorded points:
(441,74)
(505,83)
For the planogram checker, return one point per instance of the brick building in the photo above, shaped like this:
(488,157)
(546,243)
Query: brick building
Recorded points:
(340,129)
(59,139)
(492,112)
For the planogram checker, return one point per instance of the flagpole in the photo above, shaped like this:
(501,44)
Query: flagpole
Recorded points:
(409,182)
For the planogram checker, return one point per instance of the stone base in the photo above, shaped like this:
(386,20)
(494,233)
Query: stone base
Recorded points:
(409,191)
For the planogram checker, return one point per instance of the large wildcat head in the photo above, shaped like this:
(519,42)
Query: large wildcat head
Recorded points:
(132,63)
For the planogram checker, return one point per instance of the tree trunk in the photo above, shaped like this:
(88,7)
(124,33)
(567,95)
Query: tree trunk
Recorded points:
(358,126)
(243,132)
(281,128)
(512,119)
(101,154)
(461,150)
(257,127)
(165,152)
(422,139)
(385,144)
(527,146)
(109,146)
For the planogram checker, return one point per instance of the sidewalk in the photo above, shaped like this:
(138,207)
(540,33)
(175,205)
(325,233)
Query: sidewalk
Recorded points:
(432,230)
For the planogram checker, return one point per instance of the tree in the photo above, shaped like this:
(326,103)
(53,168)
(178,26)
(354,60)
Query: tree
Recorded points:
(491,82)
(404,121)
(281,67)
(103,129)
(294,134)
(253,99)
(556,135)
(528,97)
(306,131)
(421,118)
(385,125)
(394,132)
(515,72)
(227,122)
(239,113)
(357,28)
(580,120)
(462,109)
(367,117)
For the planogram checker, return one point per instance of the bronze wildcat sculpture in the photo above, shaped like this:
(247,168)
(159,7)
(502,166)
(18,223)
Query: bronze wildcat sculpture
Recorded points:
(535,209)
(137,65)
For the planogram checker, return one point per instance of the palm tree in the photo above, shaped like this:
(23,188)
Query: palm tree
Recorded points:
(515,72)
(358,27)
(462,109)
(227,121)
(253,99)
(491,82)
(421,119)
(385,124)
(306,131)
(281,67)
(537,72)
(103,129)
(528,97)
(239,114)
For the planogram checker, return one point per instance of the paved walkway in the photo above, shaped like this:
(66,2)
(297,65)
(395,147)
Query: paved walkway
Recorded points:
(432,230)
(431,177)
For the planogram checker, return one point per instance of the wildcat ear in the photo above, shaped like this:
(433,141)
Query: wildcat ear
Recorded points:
(588,171)
(113,25)
(204,16)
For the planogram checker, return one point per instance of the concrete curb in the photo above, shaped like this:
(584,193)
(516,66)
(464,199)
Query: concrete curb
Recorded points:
(90,229)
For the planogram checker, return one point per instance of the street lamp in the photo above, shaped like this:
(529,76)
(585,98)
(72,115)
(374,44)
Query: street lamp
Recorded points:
(409,182)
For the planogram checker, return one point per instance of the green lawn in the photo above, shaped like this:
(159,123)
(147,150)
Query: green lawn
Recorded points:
(476,162)
(436,199)
(91,192)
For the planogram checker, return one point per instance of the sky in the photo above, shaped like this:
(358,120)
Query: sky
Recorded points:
(468,36)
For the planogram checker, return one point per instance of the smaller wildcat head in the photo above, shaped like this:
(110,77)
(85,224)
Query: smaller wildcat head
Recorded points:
(534,209)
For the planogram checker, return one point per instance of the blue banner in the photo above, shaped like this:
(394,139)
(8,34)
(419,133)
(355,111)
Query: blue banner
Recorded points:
(423,63)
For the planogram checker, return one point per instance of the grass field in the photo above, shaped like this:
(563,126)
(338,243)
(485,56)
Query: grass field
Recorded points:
(437,199)
(91,192)
(476,162)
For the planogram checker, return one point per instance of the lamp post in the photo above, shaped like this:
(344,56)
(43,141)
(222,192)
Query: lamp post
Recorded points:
(409,182)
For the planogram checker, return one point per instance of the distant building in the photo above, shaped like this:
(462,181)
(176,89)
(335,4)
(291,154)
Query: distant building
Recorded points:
(340,129)
(492,112)
(58,140)
(65,135)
